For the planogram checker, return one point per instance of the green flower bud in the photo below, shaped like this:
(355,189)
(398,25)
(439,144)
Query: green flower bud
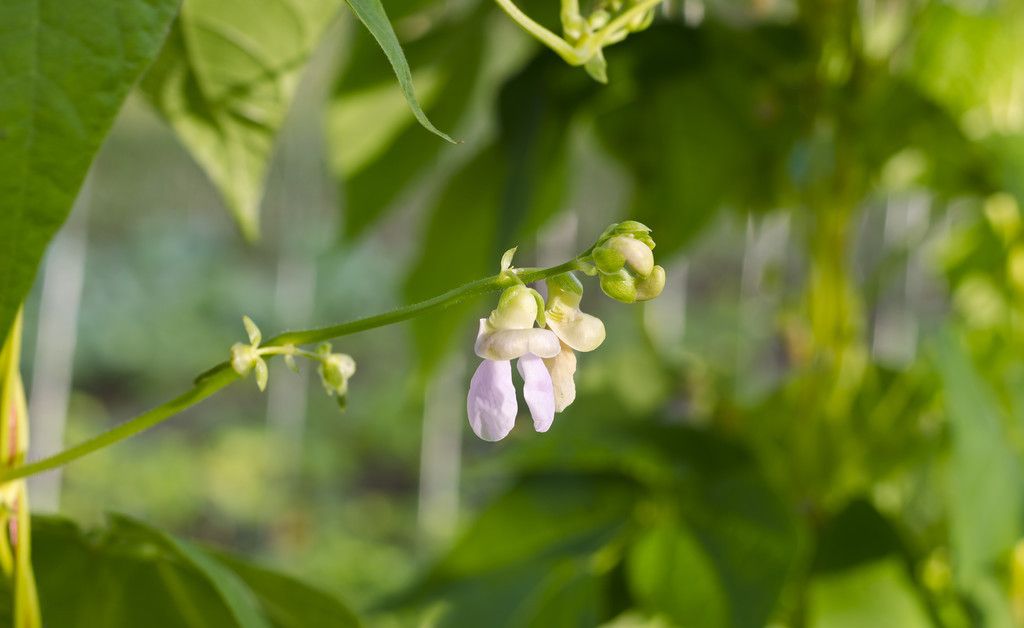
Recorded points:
(335,371)
(650,286)
(608,260)
(630,228)
(243,358)
(619,286)
(564,289)
(262,373)
(517,309)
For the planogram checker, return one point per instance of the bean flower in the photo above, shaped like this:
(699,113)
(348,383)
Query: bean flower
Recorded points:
(576,331)
(509,334)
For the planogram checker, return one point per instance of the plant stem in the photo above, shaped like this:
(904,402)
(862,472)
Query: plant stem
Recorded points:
(222,374)
(549,39)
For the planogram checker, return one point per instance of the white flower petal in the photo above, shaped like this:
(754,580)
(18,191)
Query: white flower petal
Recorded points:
(491,403)
(562,368)
(509,344)
(579,330)
(537,391)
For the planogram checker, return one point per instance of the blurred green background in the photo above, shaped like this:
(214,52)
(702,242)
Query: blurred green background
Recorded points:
(819,423)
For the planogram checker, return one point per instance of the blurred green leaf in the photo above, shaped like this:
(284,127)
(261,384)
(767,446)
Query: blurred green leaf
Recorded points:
(131,575)
(873,594)
(707,122)
(984,481)
(670,574)
(862,574)
(225,80)
(537,556)
(290,603)
(375,149)
(66,71)
(372,15)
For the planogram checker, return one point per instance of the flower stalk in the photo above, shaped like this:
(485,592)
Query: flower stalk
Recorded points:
(223,375)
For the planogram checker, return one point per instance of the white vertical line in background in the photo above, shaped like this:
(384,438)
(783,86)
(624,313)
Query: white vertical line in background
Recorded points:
(294,300)
(441,454)
(56,336)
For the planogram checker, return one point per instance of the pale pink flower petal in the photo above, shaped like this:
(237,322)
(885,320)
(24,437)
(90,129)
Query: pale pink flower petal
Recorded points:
(509,344)
(537,391)
(491,403)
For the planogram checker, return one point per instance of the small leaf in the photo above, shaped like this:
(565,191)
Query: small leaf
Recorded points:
(289,361)
(506,259)
(262,374)
(255,337)
(371,13)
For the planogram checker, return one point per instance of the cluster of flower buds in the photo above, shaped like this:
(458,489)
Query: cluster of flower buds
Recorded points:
(609,22)
(624,259)
(335,369)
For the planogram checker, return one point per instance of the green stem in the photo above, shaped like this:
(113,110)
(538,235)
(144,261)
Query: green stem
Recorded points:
(222,375)
(549,39)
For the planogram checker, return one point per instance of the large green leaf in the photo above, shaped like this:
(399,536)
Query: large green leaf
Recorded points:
(376,149)
(131,575)
(224,82)
(66,70)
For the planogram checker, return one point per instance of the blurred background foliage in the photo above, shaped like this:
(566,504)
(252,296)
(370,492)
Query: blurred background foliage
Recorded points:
(819,423)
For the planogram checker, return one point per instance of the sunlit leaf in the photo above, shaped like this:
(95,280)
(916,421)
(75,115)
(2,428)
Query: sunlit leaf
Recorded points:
(66,70)
(225,80)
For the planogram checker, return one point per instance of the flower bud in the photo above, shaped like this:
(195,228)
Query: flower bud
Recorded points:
(517,309)
(608,260)
(335,371)
(619,286)
(631,228)
(243,358)
(564,289)
(650,286)
(638,258)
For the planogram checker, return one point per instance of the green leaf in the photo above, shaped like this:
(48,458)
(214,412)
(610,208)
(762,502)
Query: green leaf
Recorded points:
(459,246)
(862,574)
(290,603)
(536,556)
(67,68)
(984,482)
(376,150)
(372,15)
(130,575)
(671,574)
(240,601)
(225,80)
(710,131)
